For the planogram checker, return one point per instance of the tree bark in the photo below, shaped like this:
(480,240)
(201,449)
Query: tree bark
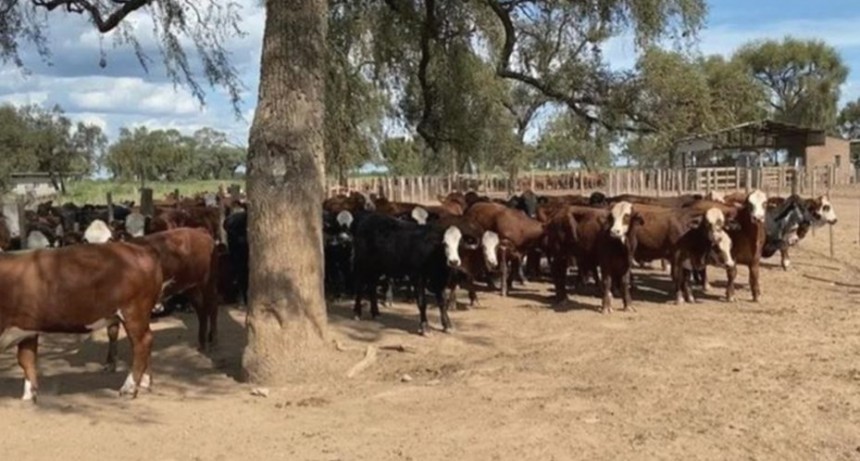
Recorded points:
(287,325)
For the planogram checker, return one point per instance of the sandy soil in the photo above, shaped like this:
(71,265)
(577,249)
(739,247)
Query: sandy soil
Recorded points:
(517,380)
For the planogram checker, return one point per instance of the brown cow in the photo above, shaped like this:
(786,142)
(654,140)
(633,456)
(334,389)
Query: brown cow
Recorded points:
(745,226)
(189,263)
(517,235)
(204,217)
(79,289)
(353,202)
(671,202)
(478,256)
(680,235)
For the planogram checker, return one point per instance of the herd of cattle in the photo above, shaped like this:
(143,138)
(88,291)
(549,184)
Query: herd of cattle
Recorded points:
(123,267)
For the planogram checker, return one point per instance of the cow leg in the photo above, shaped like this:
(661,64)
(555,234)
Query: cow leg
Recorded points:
(452,284)
(606,306)
(196,298)
(423,326)
(389,293)
(687,285)
(677,276)
(625,291)
(786,261)
(731,275)
(473,294)
(374,301)
(140,336)
(559,277)
(27,350)
(504,263)
(754,282)
(356,308)
(516,269)
(447,326)
(113,337)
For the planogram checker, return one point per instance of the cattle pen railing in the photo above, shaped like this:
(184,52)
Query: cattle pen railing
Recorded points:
(657,182)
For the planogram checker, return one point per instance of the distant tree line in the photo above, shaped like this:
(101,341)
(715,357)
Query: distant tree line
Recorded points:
(45,140)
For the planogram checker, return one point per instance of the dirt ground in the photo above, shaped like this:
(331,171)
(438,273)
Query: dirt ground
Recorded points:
(518,379)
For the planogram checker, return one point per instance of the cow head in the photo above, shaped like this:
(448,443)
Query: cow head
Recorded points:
(823,211)
(135,224)
(716,196)
(490,243)
(756,201)
(36,240)
(620,216)
(451,242)
(420,215)
(722,243)
(98,232)
(344,220)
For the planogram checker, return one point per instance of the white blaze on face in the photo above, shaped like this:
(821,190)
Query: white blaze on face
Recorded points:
(724,246)
(420,215)
(210,200)
(451,242)
(490,243)
(36,240)
(715,218)
(826,211)
(344,218)
(621,213)
(716,196)
(98,232)
(135,224)
(757,200)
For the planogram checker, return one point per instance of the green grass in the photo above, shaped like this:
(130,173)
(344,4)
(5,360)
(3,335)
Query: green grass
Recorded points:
(95,191)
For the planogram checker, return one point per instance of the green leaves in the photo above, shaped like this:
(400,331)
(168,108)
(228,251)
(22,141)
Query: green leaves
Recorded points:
(45,140)
(150,155)
(801,77)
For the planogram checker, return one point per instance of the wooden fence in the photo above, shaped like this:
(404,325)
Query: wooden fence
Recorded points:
(657,182)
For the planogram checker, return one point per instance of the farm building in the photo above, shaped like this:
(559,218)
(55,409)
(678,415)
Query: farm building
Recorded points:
(36,184)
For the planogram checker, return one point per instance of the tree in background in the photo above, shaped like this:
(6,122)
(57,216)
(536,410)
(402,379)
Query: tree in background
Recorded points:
(802,78)
(848,125)
(568,139)
(145,155)
(37,139)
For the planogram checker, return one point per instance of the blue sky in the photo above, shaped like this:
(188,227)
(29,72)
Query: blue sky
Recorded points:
(122,94)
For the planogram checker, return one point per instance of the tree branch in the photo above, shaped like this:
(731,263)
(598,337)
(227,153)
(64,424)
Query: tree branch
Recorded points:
(104,24)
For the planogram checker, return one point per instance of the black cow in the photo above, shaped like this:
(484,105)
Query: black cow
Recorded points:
(337,247)
(386,246)
(236,227)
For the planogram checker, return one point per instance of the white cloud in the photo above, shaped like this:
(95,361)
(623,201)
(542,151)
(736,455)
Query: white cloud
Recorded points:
(25,98)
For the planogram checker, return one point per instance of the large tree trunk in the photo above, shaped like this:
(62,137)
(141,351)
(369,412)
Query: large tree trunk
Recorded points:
(286,164)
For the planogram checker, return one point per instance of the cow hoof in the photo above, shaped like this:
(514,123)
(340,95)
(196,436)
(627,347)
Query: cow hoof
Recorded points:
(731,299)
(449,329)
(129,388)
(357,318)
(424,329)
(707,288)
(109,368)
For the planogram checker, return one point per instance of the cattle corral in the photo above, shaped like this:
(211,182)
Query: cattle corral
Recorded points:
(520,377)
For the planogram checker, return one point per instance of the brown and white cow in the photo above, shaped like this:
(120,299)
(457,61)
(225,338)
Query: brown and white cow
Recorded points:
(822,212)
(684,236)
(53,291)
(517,235)
(189,264)
(745,224)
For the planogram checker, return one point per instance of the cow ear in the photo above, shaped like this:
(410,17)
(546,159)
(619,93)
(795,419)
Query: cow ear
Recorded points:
(696,222)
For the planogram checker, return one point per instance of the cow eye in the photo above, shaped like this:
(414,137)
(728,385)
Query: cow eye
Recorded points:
(469,240)
(825,208)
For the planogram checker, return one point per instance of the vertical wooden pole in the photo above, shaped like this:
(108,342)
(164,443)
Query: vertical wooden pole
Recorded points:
(109,199)
(147,206)
(22,222)
(532,179)
(222,233)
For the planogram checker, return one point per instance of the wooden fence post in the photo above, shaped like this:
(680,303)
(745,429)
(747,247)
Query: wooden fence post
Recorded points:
(532,179)
(109,199)
(147,206)
(22,222)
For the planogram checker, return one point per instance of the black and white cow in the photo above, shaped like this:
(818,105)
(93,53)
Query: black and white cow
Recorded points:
(389,247)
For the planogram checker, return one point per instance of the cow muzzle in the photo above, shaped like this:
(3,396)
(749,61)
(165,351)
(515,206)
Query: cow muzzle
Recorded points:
(454,263)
